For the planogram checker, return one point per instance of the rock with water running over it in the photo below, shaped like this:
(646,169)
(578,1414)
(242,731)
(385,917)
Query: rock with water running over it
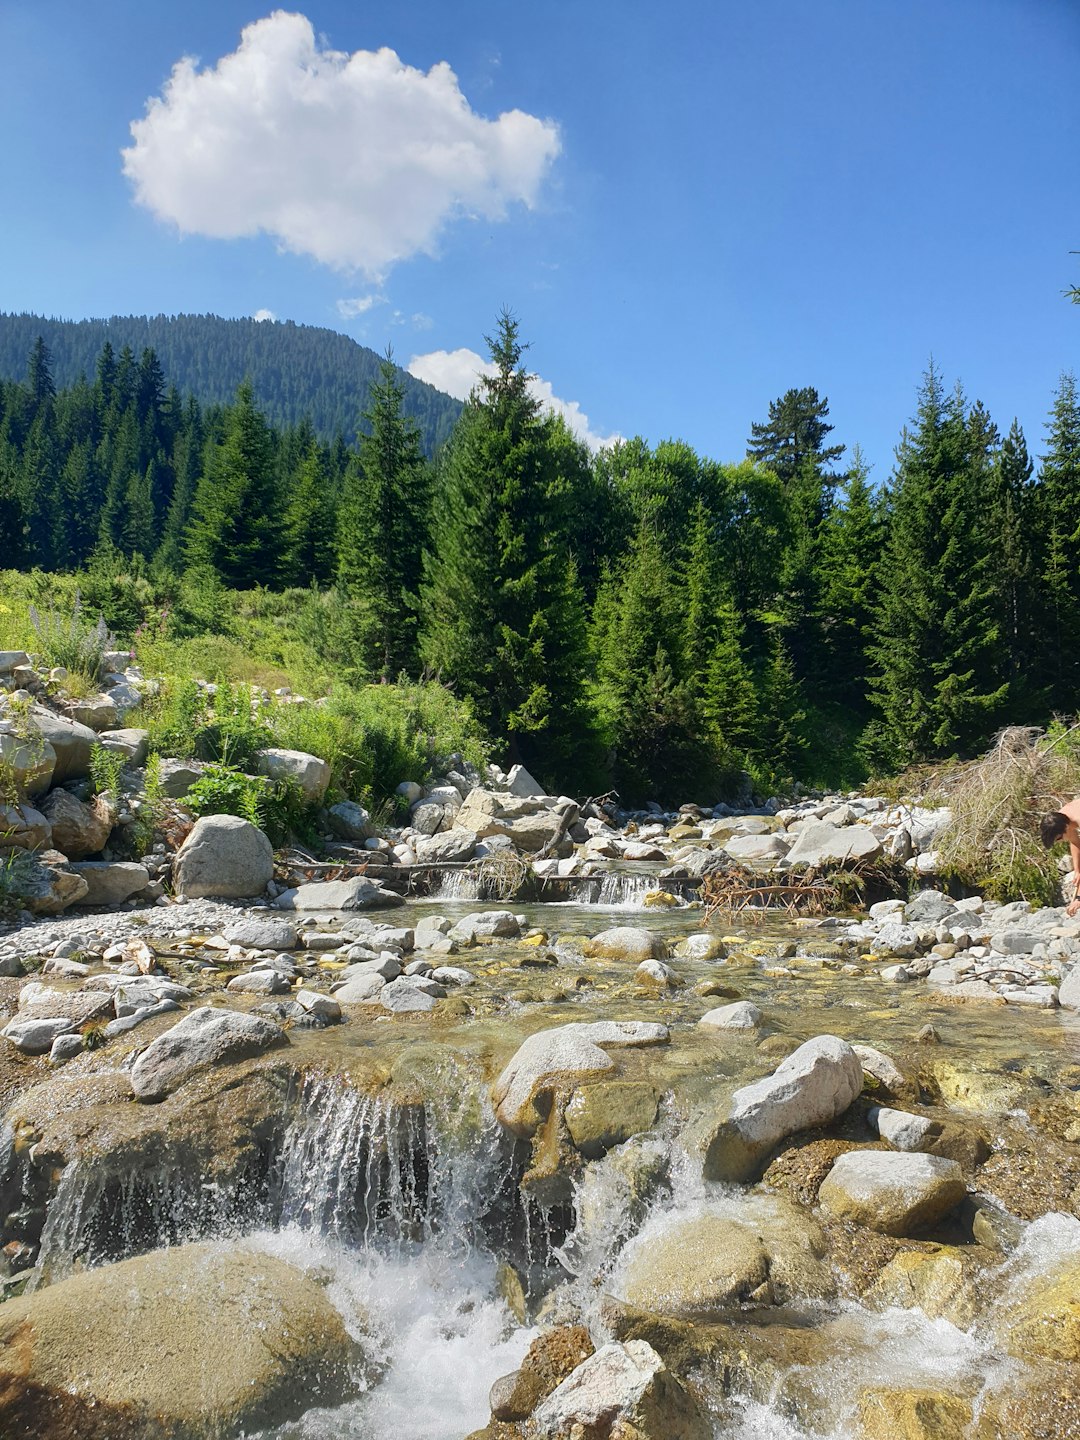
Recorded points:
(224,856)
(354,894)
(741,1015)
(204,1037)
(813,1086)
(626,942)
(623,1389)
(559,1056)
(607,1113)
(1041,1314)
(895,1194)
(192,1341)
(550,1358)
(893,1414)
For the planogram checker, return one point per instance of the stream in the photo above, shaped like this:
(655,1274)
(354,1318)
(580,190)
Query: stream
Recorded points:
(392,1179)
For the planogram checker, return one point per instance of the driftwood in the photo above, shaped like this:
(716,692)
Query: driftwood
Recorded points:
(739,891)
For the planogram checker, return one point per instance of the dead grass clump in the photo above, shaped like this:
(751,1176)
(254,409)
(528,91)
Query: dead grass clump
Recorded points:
(992,842)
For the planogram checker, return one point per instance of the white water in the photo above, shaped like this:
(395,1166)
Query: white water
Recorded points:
(435,1328)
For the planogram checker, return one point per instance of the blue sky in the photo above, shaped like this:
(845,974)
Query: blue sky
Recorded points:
(691,207)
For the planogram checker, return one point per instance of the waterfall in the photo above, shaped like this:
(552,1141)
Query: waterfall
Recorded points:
(619,890)
(464,884)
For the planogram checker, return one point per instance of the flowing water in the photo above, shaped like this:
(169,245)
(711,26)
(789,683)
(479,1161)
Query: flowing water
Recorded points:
(408,1194)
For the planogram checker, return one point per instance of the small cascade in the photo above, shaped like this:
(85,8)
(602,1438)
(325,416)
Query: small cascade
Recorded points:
(618,890)
(465,884)
(102,1212)
(367,1169)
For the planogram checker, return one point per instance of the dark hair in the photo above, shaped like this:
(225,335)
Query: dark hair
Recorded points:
(1052,828)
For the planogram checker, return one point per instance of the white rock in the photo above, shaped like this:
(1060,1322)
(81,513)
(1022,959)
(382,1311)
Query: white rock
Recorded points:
(204,1037)
(621,1388)
(741,1015)
(902,1130)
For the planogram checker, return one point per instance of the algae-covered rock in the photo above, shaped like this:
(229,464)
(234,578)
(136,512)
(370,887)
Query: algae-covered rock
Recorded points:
(182,1343)
(608,1113)
(886,1414)
(894,1193)
(939,1284)
(1042,1317)
(982,1092)
(626,942)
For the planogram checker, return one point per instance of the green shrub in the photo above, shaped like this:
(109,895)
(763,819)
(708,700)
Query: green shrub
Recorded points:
(106,771)
(72,640)
(224,790)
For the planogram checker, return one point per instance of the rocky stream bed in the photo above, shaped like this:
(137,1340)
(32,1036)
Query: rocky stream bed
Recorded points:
(450,1169)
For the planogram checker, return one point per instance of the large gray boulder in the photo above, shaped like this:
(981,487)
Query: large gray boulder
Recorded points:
(110,882)
(29,762)
(203,1038)
(893,1193)
(262,932)
(96,711)
(225,856)
(23,828)
(627,942)
(436,811)
(35,1036)
(46,886)
(72,743)
(622,1389)
(133,745)
(813,1086)
(350,821)
(448,845)
(355,894)
(823,844)
(307,772)
(560,1056)
(78,829)
(189,1342)
(178,776)
(1069,990)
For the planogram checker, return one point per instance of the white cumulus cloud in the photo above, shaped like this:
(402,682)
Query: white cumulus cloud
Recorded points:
(350,308)
(456,372)
(356,159)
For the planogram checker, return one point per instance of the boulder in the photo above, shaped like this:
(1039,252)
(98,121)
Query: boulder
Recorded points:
(626,942)
(259,932)
(902,1130)
(813,1086)
(133,745)
(350,821)
(23,828)
(701,947)
(742,1015)
(29,763)
(607,1113)
(72,743)
(436,811)
(12,660)
(448,845)
(882,1069)
(519,782)
(360,989)
(78,829)
(354,894)
(96,711)
(313,1002)
(45,1002)
(203,1038)
(522,1093)
(36,1036)
(1069,990)
(694,1268)
(623,1389)
(46,886)
(178,776)
(895,1194)
(408,994)
(259,982)
(224,856)
(308,773)
(531,833)
(486,925)
(820,843)
(551,1357)
(939,1284)
(110,882)
(757,847)
(894,1414)
(191,1341)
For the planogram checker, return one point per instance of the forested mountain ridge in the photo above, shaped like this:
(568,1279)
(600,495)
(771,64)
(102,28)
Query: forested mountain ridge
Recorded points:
(297,371)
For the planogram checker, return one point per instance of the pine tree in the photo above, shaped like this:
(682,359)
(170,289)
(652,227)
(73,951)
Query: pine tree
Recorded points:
(937,684)
(308,526)
(234,524)
(794,435)
(850,555)
(1057,512)
(382,530)
(503,611)
(1012,534)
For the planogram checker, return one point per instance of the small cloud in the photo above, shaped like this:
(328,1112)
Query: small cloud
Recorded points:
(264,315)
(353,307)
(356,159)
(456,372)
(420,321)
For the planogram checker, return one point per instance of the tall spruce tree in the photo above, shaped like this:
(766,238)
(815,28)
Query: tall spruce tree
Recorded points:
(503,611)
(850,562)
(937,682)
(382,530)
(234,527)
(1057,511)
(1012,532)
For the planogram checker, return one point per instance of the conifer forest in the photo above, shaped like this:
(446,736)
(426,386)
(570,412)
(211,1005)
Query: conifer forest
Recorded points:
(644,617)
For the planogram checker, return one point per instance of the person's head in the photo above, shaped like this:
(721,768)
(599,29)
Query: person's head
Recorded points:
(1053,827)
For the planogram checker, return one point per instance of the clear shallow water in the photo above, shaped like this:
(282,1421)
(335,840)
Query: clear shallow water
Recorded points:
(396,1179)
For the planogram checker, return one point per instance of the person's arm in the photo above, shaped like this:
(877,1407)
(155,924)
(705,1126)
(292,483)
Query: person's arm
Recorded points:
(1074,852)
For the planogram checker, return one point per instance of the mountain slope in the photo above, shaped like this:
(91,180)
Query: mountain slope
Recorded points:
(296,370)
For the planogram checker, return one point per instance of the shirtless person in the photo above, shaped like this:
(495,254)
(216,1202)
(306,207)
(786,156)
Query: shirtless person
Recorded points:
(1064,824)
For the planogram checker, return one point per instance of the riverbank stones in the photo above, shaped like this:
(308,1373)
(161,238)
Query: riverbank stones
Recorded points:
(895,1194)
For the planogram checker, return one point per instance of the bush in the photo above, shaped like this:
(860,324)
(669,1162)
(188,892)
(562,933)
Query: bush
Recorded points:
(278,807)
(992,842)
(71,640)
